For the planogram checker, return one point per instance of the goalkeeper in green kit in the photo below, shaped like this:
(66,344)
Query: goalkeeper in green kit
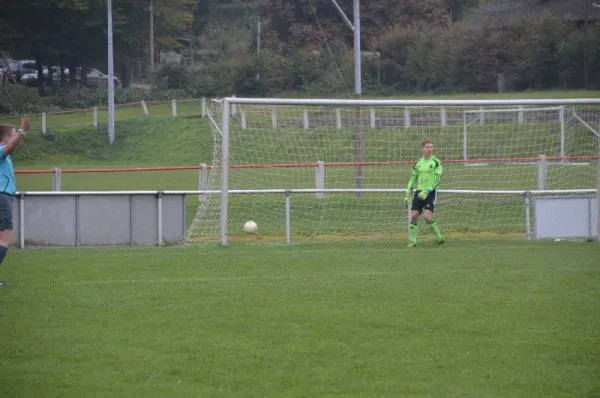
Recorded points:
(427,174)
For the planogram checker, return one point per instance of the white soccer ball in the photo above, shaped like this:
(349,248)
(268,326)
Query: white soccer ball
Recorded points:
(250,227)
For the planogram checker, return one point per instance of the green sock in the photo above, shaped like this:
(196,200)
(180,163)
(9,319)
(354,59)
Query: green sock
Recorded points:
(414,231)
(433,227)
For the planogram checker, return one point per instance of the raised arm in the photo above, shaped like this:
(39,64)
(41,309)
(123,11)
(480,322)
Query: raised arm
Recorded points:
(14,138)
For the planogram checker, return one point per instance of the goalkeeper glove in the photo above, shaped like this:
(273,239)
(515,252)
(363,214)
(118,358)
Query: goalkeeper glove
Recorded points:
(423,194)
(407,199)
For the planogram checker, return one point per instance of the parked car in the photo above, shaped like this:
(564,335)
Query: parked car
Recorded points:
(22,67)
(94,79)
(97,78)
(51,76)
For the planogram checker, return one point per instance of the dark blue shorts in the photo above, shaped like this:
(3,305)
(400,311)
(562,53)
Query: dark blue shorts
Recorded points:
(6,212)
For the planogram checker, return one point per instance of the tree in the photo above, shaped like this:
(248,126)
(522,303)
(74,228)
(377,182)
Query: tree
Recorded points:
(311,23)
(457,9)
(71,31)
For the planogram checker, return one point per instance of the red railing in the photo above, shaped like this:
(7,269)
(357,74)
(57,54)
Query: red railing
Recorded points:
(310,164)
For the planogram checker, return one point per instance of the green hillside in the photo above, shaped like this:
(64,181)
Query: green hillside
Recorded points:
(138,142)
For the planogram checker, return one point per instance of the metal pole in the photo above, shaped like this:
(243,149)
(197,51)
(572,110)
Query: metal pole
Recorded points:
(258,38)
(465,132)
(598,194)
(288,227)
(586,42)
(22,221)
(408,222)
(561,118)
(337,6)
(258,45)
(527,216)
(224,170)
(159,219)
(358,94)
(542,172)
(111,82)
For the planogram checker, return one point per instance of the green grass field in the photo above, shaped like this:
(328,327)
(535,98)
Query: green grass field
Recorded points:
(496,316)
(353,320)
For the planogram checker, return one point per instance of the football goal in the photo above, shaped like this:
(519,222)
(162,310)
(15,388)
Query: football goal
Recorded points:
(326,169)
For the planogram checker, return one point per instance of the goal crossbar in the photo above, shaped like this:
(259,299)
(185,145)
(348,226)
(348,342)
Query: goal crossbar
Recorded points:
(407,102)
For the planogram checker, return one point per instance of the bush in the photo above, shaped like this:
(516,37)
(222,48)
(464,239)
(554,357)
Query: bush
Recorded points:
(539,53)
(172,76)
(16,99)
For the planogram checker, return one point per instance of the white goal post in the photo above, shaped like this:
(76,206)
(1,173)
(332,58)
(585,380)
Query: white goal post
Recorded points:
(337,169)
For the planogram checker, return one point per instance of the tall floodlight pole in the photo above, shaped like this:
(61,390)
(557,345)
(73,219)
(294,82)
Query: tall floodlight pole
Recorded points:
(111,81)
(151,9)
(358,94)
(258,45)
(357,58)
(357,87)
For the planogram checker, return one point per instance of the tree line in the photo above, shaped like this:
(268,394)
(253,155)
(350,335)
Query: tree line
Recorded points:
(413,45)
(410,46)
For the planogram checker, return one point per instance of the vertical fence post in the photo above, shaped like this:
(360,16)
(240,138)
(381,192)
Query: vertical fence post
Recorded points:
(203,107)
(372,118)
(443,117)
(561,119)
(57,179)
(44,123)
(145,108)
(465,136)
(243,119)
(288,223)
(274,118)
(527,216)
(174,107)
(406,117)
(481,116)
(542,172)
(320,179)
(95,117)
(159,217)
(305,119)
(22,221)
(233,107)
(202,182)
(338,118)
(521,114)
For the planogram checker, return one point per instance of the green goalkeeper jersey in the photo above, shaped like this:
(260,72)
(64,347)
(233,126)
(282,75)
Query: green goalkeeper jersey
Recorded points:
(427,174)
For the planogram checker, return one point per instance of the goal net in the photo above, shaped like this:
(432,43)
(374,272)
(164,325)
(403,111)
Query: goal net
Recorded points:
(321,170)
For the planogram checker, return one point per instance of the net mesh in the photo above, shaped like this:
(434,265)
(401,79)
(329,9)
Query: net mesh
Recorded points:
(487,150)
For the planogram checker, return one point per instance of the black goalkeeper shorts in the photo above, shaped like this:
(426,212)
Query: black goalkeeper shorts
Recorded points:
(427,204)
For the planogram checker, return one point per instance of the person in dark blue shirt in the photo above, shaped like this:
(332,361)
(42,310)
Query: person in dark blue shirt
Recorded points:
(10,138)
